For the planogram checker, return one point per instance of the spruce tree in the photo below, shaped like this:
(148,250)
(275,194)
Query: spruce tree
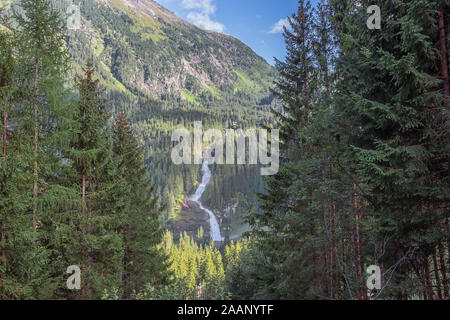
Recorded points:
(392,110)
(16,275)
(44,64)
(39,122)
(95,244)
(145,261)
(310,229)
(6,63)
(288,205)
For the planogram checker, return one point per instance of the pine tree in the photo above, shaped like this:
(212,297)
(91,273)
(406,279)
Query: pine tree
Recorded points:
(38,77)
(6,63)
(291,210)
(144,262)
(16,276)
(95,243)
(392,116)
(44,64)
(444,41)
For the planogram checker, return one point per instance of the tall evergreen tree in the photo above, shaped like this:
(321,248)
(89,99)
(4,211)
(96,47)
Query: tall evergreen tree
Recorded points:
(145,261)
(95,244)
(44,64)
(287,230)
(38,122)
(16,280)
(6,63)
(390,101)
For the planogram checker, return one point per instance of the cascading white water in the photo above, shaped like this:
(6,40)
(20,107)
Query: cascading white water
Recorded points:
(214,225)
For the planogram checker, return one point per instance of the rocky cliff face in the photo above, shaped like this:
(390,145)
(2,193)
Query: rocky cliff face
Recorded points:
(145,50)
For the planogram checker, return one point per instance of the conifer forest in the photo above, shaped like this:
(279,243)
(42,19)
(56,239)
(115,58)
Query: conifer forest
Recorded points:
(95,206)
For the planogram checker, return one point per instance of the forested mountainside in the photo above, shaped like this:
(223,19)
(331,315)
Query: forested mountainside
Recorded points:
(165,72)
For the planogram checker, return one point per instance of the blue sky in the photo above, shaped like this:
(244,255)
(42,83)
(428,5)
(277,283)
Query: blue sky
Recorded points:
(258,23)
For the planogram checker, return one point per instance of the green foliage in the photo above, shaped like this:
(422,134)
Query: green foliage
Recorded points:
(363,178)
(73,193)
(95,173)
(391,101)
(198,271)
(38,122)
(144,261)
(289,232)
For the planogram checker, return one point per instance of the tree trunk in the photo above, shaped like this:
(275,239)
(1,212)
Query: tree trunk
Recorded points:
(327,272)
(5,132)
(35,139)
(428,282)
(315,275)
(86,252)
(357,244)
(334,254)
(83,192)
(89,252)
(380,254)
(436,276)
(443,270)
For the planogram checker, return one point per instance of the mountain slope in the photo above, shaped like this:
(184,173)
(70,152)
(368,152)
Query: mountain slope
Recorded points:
(164,72)
(145,50)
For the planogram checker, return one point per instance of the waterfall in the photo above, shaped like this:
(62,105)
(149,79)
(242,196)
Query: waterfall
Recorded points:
(214,225)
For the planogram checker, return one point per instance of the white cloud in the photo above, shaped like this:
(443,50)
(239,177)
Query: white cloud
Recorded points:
(204,21)
(201,14)
(205,6)
(278,27)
